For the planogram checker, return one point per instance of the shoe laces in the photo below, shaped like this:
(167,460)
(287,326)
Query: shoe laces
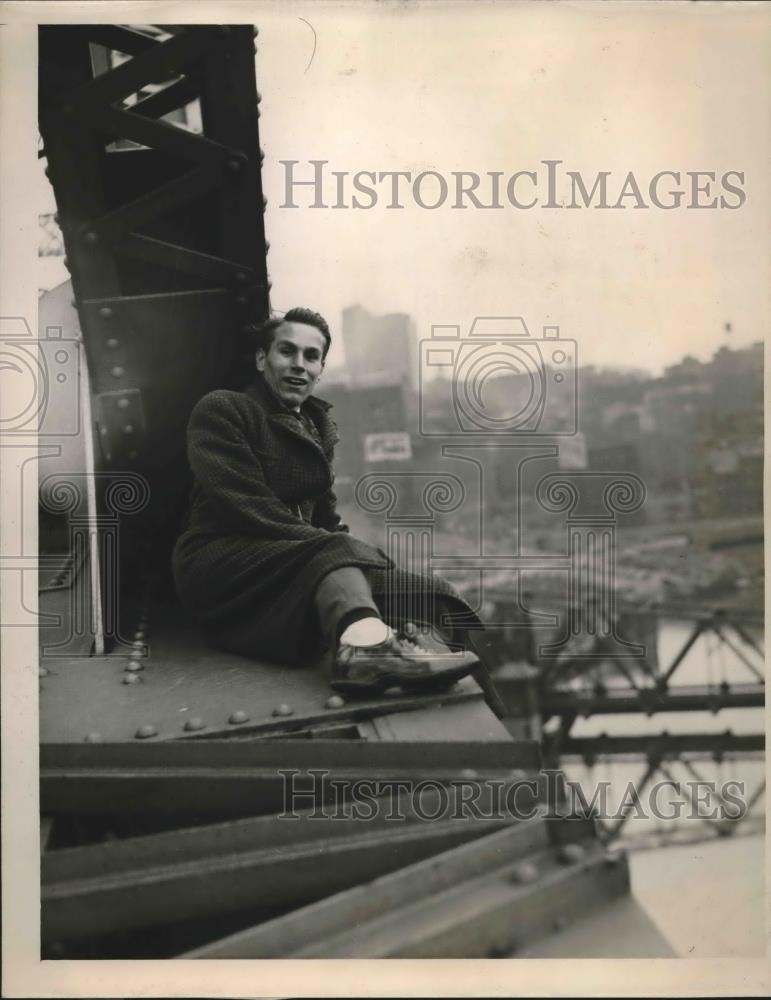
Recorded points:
(407,638)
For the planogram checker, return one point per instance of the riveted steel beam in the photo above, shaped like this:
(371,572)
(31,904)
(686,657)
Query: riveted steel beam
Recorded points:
(115,224)
(163,136)
(488,917)
(617,701)
(663,746)
(225,778)
(179,258)
(175,96)
(120,38)
(463,902)
(352,754)
(260,879)
(156,64)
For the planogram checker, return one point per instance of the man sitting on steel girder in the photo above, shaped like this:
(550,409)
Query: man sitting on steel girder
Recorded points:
(265,564)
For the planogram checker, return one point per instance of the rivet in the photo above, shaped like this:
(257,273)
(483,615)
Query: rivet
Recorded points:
(93,738)
(105,312)
(117,371)
(255,31)
(269,285)
(234,164)
(195,723)
(134,666)
(283,709)
(241,300)
(238,717)
(569,854)
(42,672)
(468,772)
(132,454)
(139,634)
(524,874)
(267,246)
(112,343)
(145,732)
(264,202)
(130,679)
(262,156)
(240,276)
(334,701)
(128,429)
(123,403)
(259,97)
(91,237)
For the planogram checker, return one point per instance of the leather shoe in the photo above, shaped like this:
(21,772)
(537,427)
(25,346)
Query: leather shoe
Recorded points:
(397,663)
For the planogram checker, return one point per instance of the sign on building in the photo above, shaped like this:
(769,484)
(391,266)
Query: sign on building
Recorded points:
(392,446)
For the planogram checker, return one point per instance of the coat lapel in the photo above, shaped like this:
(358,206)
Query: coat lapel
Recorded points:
(280,417)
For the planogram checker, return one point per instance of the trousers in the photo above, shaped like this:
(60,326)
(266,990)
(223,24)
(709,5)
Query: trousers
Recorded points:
(344,596)
(341,598)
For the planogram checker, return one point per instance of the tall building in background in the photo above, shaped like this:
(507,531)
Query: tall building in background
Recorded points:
(379,350)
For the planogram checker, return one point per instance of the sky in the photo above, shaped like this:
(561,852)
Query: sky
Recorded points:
(494,86)
(502,87)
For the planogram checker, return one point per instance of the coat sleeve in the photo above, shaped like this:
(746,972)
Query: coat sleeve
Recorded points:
(229,472)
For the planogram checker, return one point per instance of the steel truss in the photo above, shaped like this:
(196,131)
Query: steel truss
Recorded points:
(613,687)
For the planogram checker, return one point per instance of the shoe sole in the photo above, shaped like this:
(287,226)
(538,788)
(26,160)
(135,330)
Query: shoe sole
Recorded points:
(378,685)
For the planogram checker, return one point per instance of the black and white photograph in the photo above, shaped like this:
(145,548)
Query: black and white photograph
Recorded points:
(382,565)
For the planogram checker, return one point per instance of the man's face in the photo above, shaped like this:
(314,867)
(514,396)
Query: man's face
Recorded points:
(294,362)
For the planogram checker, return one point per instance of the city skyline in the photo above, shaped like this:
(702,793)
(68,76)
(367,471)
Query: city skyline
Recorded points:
(337,363)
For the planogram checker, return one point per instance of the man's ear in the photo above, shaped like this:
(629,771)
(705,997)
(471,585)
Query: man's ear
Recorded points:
(259,359)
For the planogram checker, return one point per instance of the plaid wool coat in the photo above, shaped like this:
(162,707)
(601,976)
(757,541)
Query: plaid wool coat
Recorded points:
(263,528)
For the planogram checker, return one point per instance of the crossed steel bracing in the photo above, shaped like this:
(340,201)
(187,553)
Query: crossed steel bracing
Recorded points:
(613,688)
(152,147)
(151,141)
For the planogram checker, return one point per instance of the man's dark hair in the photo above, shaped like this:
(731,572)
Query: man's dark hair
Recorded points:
(265,334)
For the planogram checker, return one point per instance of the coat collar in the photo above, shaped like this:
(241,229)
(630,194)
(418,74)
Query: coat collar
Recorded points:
(281,416)
(260,391)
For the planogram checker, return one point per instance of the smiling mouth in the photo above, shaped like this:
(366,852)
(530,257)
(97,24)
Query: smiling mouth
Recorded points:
(295,383)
